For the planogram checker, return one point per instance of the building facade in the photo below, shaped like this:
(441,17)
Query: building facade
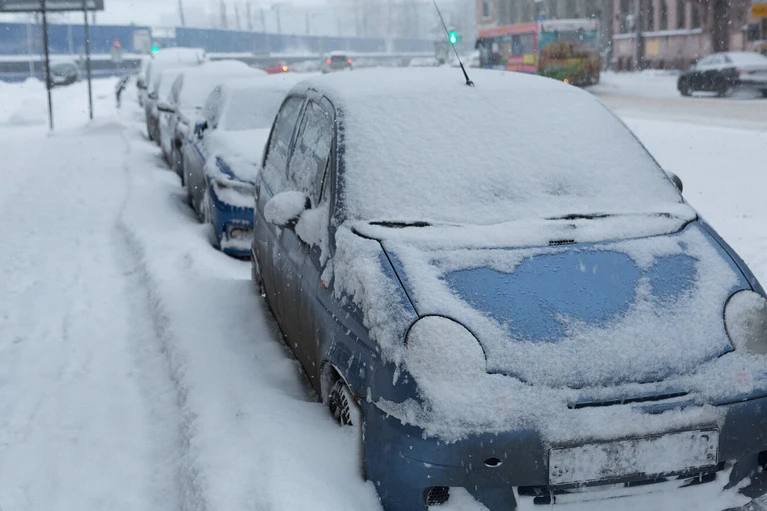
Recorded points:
(672,34)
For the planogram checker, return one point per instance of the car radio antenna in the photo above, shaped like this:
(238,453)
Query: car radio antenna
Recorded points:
(469,83)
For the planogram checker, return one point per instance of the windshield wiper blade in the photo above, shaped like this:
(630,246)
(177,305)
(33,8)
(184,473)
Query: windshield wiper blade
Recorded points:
(581,216)
(399,224)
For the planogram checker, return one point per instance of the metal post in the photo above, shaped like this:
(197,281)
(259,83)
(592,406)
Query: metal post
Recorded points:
(29,50)
(88,58)
(44,9)
(639,49)
(181,16)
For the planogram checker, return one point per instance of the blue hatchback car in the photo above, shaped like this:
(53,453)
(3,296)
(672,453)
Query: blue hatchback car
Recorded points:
(505,295)
(223,153)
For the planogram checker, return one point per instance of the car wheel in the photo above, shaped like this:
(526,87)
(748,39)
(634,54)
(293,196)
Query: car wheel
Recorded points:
(684,89)
(723,89)
(255,276)
(348,414)
(206,216)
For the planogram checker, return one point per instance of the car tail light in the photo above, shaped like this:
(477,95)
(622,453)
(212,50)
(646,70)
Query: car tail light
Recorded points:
(328,61)
(349,61)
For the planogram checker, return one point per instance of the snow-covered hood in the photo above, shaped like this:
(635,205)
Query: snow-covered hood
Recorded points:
(240,150)
(580,315)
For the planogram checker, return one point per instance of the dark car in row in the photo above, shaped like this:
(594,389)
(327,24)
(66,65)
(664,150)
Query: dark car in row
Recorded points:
(723,72)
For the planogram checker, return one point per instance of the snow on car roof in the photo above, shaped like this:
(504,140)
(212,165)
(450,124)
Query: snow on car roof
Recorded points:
(253,103)
(422,146)
(745,58)
(181,55)
(200,80)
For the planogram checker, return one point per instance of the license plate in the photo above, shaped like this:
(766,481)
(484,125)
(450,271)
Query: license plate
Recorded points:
(672,453)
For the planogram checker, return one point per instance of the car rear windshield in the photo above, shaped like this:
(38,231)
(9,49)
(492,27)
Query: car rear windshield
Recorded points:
(336,59)
(251,109)
(484,157)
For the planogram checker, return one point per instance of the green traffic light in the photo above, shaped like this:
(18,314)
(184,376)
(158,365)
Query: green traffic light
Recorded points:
(155,48)
(453,37)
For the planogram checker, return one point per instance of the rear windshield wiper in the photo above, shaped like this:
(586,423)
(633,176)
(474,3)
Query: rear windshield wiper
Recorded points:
(398,224)
(581,216)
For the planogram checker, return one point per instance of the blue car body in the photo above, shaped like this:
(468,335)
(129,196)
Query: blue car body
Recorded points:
(336,338)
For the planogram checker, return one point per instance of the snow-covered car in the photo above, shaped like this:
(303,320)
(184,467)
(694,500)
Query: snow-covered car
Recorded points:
(723,72)
(187,97)
(223,154)
(517,307)
(64,72)
(141,83)
(162,60)
(156,107)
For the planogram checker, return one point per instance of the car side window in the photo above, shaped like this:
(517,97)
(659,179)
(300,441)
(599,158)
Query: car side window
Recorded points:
(275,163)
(212,108)
(175,90)
(312,151)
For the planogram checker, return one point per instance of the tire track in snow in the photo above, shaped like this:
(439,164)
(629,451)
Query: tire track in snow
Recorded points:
(188,494)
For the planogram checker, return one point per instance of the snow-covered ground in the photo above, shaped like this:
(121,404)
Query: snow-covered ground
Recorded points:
(139,369)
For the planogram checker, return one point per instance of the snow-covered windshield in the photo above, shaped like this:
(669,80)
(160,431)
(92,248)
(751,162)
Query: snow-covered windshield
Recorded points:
(511,148)
(251,109)
(198,82)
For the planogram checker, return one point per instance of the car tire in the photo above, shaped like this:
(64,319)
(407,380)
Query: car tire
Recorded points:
(684,89)
(348,414)
(723,89)
(255,276)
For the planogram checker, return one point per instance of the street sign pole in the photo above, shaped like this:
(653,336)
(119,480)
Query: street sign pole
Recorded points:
(44,9)
(88,58)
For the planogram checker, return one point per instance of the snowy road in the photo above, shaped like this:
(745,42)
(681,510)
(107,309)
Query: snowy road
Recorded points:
(140,371)
(653,95)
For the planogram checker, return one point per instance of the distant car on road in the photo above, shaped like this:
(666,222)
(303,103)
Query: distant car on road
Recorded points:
(522,326)
(723,72)
(424,62)
(186,100)
(64,72)
(277,68)
(223,154)
(336,61)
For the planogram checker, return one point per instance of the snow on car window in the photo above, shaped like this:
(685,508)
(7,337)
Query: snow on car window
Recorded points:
(426,147)
(251,109)
(200,81)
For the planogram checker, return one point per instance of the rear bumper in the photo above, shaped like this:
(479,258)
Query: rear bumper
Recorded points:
(227,220)
(404,463)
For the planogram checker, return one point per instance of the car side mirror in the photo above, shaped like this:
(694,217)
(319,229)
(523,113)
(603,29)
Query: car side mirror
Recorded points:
(165,108)
(199,128)
(284,209)
(676,180)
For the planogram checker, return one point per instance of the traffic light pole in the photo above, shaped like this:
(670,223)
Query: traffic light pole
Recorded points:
(44,10)
(87,28)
